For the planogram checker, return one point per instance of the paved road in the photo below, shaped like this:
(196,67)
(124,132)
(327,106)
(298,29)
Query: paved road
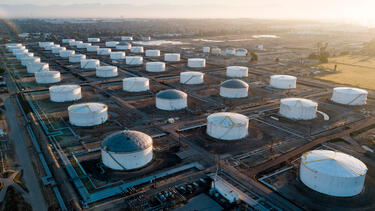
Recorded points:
(23,158)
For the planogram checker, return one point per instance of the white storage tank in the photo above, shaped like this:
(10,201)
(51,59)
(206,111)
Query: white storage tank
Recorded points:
(92,48)
(45,44)
(75,43)
(283,81)
(34,67)
(117,55)
(123,46)
(134,60)
(126,150)
(90,63)
(227,126)
(106,71)
(234,88)
(56,50)
(12,45)
(16,51)
(155,66)
(66,53)
(298,108)
(111,44)
(241,52)
(349,96)
(76,58)
(47,77)
(237,71)
(65,93)
(49,47)
(152,53)
(171,99)
(11,48)
(216,51)
(172,57)
(104,51)
(93,39)
(196,62)
(230,51)
(67,41)
(332,173)
(206,49)
(126,38)
(26,60)
(83,45)
(19,56)
(191,77)
(88,114)
(135,84)
(136,49)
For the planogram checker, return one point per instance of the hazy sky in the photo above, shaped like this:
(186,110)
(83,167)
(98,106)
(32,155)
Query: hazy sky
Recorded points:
(356,10)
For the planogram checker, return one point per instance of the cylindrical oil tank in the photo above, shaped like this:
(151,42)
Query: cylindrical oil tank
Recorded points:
(92,48)
(88,114)
(117,55)
(104,51)
(216,51)
(283,81)
(19,56)
(90,63)
(111,44)
(136,49)
(93,39)
(123,46)
(171,100)
(65,93)
(27,60)
(67,41)
(76,58)
(230,51)
(136,84)
(16,51)
(152,53)
(83,45)
(332,173)
(126,38)
(106,71)
(56,50)
(134,60)
(172,57)
(126,150)
(66,53)
(75,43)
(349,96)
(47,77)
(206,49)
(237,71)
(227,126)
(191,77)
(34,67)
(241,52)
(234,88)
(196,62)
(155,66)
(298,108)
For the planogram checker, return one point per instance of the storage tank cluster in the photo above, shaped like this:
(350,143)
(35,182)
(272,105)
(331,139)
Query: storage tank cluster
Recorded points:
(47,77)
(111,44)
(106,71)
(283,81)
(152,53)
(76,58)
(298,108)
(117,55)
(89,63)
(134,60)
(349,96)
(191,77)
(196,62)
(234,88)
(136,49)
(332,173)
(87,114)
(155,66)
(227,126)
(135,84)
(65,93)
(127,150)
(237,71)
(171,100)
(172,57)
(66,53)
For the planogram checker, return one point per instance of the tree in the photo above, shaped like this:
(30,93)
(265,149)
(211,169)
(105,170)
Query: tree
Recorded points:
(254,57)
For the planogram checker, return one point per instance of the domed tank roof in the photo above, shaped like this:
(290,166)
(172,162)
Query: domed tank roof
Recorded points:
(171,94)
(126,141)
(234,84)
